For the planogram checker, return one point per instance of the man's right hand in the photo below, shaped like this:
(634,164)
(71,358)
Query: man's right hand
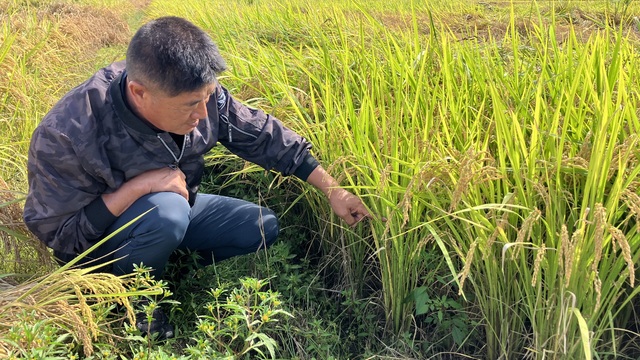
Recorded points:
(158,180)
(164,179)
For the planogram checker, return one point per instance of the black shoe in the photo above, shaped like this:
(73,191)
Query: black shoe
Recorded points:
(160,329)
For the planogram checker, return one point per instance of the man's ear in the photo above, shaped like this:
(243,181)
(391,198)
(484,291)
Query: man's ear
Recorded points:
(137,92)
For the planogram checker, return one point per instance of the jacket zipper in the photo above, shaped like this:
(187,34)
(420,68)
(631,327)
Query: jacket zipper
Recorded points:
(176,159)
(221,102)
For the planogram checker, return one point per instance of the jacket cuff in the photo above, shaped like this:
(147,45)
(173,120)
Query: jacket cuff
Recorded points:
(99,215)
(306,167)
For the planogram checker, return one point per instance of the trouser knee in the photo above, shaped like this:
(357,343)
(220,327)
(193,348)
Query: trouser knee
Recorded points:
(264,233)
(157,234)
(244,238)
(166,223)
(270,227)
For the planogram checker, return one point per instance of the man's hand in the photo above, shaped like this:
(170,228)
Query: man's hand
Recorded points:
(152,181)
(163,179)
(347,206)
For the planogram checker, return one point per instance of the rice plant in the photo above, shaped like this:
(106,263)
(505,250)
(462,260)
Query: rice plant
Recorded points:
(512,152)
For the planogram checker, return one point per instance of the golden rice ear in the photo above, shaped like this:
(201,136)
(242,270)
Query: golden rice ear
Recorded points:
(632,200)
(67,300)
(467,265)
(541,252)
(600,221)
(621,239)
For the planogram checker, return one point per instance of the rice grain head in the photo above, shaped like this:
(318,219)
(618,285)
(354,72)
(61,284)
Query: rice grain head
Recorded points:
(623,153)
(575,162)
(384,179)
(407,201)
(502,224)
(537,263)
(600,220)
(632,200)
(70,315)
(467,265)
(544,194)
(525,230)
(585,148)
(568,252)
(570,255)
(466,174)
(563,247)
(621,239)
(597,285)
(65,299)
(86,312)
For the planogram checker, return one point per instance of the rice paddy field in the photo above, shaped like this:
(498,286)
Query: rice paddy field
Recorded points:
(499,140)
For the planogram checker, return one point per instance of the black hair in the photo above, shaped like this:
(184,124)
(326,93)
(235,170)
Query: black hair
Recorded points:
(173,55)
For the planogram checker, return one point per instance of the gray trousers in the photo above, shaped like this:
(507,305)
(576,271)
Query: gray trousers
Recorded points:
(217,227)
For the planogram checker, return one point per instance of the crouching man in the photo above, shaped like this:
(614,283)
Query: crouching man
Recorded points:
(132,138)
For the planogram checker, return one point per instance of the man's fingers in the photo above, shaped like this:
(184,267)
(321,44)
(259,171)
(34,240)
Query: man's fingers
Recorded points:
(358,218)
(359,215)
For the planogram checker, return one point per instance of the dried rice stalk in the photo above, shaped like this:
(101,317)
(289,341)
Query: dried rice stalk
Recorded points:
(18,246)
(67,300)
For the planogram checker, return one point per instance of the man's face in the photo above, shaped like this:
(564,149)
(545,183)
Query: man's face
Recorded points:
(176,114)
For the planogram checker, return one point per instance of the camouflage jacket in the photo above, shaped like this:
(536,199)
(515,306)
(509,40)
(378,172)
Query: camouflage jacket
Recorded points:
(90,143)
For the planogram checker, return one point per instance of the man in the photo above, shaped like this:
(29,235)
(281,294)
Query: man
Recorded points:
(132,138)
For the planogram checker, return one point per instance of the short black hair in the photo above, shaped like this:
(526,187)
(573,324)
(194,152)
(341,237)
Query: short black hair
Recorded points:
(174,55)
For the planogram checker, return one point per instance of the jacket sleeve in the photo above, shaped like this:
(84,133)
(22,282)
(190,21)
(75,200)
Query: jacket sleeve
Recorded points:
(62,194)
(261,138)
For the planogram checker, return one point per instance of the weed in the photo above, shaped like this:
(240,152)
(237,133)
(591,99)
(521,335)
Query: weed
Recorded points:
(239,322)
